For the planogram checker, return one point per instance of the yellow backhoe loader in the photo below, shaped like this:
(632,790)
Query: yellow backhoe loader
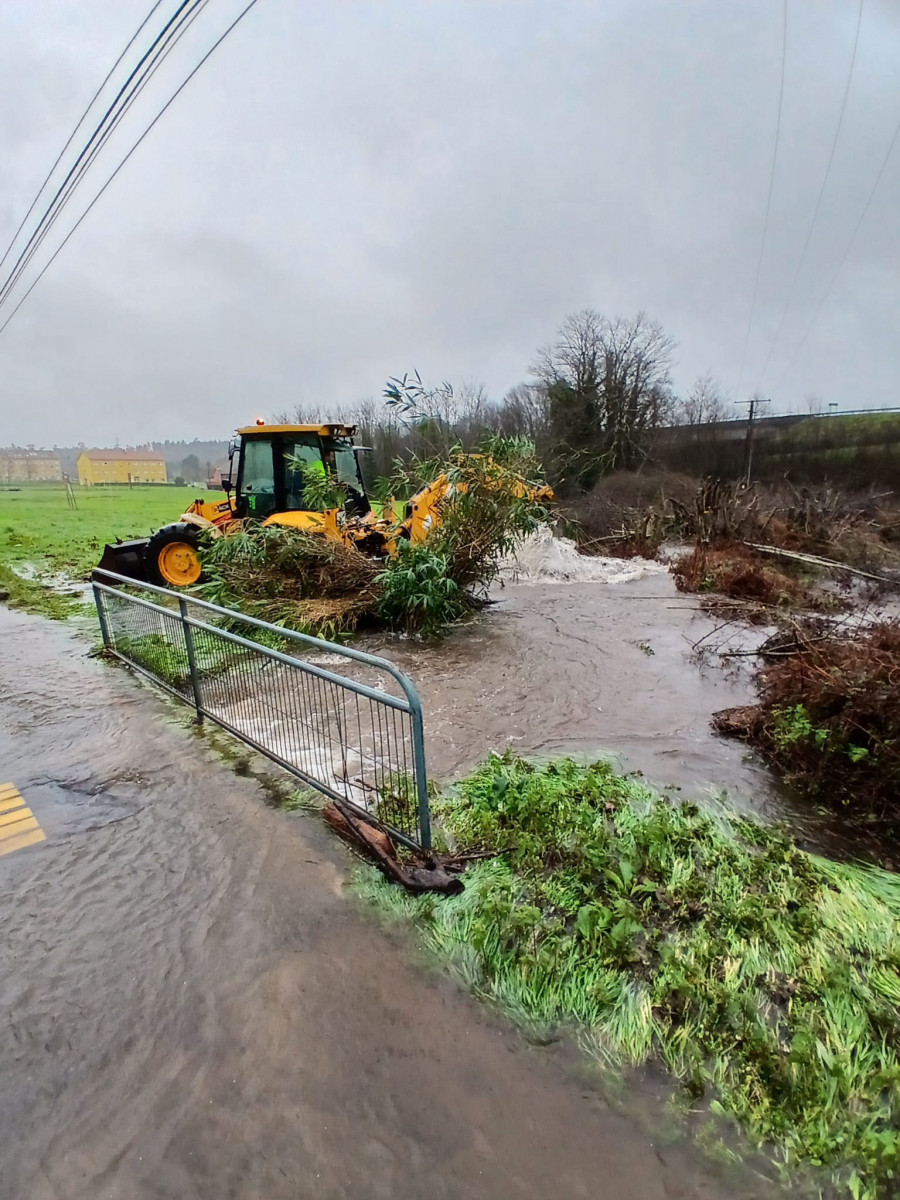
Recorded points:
(273,468)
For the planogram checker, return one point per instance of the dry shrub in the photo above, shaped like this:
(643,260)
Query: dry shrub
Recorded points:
(830,715)
(629,514)
(739,573)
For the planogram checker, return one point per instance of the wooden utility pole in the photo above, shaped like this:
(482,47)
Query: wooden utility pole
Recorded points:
(754,404)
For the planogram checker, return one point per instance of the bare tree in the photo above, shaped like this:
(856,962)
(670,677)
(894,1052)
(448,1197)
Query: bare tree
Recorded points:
(705,403)
(300,414)
(522,412)
(814,404)
(608,387)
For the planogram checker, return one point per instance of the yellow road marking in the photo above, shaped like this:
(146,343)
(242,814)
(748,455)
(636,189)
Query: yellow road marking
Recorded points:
(21,841)
(14,817)
(18,825)
(23,821)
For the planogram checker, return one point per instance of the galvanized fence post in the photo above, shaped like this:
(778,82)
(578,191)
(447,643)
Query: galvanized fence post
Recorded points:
(418,749)
(192,658)
(101,616)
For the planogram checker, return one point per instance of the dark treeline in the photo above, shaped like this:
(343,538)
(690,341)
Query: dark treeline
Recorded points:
(852,451)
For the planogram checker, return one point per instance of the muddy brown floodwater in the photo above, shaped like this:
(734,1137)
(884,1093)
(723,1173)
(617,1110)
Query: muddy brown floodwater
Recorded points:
(194,1007)
(598,669)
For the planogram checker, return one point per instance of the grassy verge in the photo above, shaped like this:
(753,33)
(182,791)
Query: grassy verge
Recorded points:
(763,978)
(40,531)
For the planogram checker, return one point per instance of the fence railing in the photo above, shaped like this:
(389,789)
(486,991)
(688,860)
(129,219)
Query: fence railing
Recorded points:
(354,737)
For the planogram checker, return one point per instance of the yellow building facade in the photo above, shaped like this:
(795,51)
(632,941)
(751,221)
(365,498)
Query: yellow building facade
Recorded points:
(120,466)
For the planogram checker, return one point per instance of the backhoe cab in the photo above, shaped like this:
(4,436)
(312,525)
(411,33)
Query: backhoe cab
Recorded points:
(273,467)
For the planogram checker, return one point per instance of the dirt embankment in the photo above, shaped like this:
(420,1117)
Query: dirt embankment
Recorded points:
(829,715)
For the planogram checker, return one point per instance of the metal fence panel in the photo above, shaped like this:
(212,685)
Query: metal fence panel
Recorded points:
(356,738)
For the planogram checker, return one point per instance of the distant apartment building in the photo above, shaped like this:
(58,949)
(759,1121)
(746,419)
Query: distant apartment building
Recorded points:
(28,466)
(121,466)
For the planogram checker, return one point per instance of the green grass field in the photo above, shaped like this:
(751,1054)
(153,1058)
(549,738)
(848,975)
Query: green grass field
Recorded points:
(42,537)
(38,527)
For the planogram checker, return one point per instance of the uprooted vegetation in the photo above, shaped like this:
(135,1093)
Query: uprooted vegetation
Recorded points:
(307,582)
(759,588)
(763,978)
(829,715)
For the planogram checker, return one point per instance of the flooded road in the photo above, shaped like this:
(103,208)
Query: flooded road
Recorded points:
(193,1007)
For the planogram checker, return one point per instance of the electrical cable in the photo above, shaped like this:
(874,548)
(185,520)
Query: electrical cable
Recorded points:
(158,116)
(837,133)
(80,122)
(174,36)
(765,234)
(847,249)
(184,4)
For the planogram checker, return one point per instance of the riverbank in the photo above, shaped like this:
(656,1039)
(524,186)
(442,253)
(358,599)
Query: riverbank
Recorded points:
(763,978)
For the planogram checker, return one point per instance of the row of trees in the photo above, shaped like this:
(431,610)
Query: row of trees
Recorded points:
(594,401)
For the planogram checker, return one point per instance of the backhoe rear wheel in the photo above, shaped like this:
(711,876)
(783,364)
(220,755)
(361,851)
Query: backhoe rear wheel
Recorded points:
(173,556)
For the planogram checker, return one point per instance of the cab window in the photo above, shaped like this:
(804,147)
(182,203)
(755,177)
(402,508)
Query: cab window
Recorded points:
(299,457)
(258,478)
(346,468)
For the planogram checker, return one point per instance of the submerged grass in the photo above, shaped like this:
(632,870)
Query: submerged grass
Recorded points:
(31,596)
(765,979)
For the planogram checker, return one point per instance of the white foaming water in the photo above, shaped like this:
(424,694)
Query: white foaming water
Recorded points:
(544,558)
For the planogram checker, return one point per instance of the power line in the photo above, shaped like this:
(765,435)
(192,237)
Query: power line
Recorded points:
(184,4)
(162,52)
(158,116)
(847,249)
(186,19)
(837,133)
(765,233)
(80,122)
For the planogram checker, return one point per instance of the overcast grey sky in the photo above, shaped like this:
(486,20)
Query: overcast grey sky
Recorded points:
(351,189)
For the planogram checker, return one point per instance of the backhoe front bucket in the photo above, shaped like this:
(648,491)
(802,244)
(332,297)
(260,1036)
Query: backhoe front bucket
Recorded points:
(125,558)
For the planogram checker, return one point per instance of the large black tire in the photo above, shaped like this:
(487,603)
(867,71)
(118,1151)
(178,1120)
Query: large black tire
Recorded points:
(172,557)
